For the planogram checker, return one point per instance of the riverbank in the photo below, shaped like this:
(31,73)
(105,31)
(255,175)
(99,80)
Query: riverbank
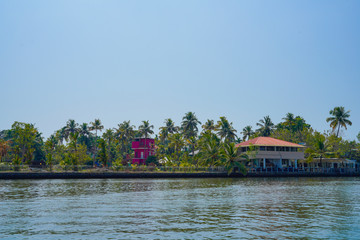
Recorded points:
(87,175)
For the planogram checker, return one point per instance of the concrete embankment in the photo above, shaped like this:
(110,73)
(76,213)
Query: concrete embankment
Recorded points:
(83,175)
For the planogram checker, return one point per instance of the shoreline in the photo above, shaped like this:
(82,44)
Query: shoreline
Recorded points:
(104,175)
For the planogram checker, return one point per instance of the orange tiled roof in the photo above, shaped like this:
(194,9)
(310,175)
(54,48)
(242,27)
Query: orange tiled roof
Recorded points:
(268,141)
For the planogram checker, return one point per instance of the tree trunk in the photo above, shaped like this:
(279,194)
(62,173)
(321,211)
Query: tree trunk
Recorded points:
(337,134)
(95,148)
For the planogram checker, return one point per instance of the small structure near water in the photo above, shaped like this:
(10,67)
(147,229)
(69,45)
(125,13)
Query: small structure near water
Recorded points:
(272,153)
(143,147)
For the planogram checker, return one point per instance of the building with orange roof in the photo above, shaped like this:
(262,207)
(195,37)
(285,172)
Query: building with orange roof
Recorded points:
(272,153)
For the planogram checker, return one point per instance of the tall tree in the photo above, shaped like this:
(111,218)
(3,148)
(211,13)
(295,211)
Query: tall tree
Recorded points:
(61,135)
(85,135)
(4,148)
(210,149)
(209,126)
(108,137)
(189,125)
(339,119)
(145,129)
(231,158)
(176,143)
(97,126)
(125,133)
(247,132)
(71,127)
(319,148)
(169,128)
(50,145)
(24,138)
(289,120)
(225,130)
(103,154)
(266,126)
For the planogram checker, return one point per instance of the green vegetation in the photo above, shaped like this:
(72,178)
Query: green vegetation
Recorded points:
(78,146)
(339,119)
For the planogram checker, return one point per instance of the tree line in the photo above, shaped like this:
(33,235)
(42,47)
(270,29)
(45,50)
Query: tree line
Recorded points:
(192,143)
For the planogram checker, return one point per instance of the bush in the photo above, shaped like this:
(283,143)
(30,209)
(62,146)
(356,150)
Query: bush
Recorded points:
(151,159)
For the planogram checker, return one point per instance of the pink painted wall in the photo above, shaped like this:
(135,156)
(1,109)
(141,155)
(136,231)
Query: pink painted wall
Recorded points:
(142,149)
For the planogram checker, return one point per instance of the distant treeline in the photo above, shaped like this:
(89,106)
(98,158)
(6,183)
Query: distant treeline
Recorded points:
(191,143)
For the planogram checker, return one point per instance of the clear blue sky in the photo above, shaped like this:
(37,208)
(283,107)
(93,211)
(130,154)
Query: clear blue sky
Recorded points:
(152,60)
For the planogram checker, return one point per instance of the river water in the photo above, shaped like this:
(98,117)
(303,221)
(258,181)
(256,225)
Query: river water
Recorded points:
(264,208)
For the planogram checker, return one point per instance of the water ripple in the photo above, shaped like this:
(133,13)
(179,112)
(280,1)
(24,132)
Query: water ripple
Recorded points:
(296,208)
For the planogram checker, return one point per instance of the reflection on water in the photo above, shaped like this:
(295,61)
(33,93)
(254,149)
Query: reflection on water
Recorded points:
(288,208)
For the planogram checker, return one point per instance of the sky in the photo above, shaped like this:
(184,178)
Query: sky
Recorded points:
(152,60)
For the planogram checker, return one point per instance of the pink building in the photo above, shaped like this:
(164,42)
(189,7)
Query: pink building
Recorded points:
(143,147)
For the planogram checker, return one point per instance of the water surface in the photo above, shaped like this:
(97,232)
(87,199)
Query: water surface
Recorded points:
(271,208)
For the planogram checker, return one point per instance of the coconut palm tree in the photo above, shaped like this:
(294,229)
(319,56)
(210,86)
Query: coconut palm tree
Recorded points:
(84,130)
(247,132)
(266,126)
(96,125)
(289,118)
(210,149)
(125,133)
(61,135)
(225,130)
(231,158)
(339,119)
(176,144)
(85,135)
(146,129)
(169,128)
(108,137)
(319,148)
(71,127)
(189,125)
(73,148)
(209,126)
(50,145)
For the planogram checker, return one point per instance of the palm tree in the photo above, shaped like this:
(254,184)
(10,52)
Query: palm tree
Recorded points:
(146,129)
(210,149)
(108,137)
(96,125)
(189,125)
(61,135)
(247,132)
(266,126)
(73,145)
(176,143)
(125,134)
(289,120)
(169,128)
(339,119)
(84,130)
(231,158)
(209,126)
(84,135)
(71,127)
(319,149)
(225,130)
